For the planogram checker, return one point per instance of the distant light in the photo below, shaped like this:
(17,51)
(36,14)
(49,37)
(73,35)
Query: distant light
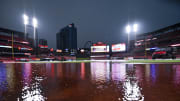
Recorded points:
(43,46)
(35,22)
(153,48)
(70,25)
(26,19)
(24,42)
(154,38)
(147,49)
(24,48)
(148,39)
(51,49)
(82,50)
(27,53)
(2,46)
(58,51)
(128,29)
(135,27)
(30,49)
(175,45)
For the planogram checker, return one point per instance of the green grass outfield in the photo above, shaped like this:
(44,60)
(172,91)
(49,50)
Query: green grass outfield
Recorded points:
(78,61)
(153,61)
(117,61)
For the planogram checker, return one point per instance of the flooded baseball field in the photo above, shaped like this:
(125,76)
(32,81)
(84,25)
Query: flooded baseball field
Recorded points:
(94,81)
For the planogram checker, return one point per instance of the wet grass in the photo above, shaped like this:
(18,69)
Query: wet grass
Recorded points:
(78,61)
(153,61)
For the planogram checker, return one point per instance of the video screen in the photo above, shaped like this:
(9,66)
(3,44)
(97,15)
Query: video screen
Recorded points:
(99,49)
(119,47)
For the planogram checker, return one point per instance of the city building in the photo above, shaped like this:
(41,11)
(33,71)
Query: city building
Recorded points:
(43,47)
(43,43)
(67,37)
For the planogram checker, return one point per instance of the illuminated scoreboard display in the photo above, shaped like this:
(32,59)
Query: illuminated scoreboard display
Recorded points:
(96,49)
(119,47)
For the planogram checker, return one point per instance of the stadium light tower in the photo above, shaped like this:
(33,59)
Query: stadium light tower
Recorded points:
(26,22)
(35,24)
(128,30)
(135,29)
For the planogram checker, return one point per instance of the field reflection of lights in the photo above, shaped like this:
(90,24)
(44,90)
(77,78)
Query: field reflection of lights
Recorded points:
(27,73)
(118,71)
(32,92)
(82,70)
(176,74)
(3,79)
(100,71)
(10,76)
(132,92)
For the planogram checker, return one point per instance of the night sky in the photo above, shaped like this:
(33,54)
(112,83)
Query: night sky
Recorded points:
(96,20)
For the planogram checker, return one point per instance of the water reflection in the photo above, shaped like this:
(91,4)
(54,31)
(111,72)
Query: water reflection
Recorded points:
(138,72)
(31,88)
(176,74)
(10,76)
(52,70)
(3,80)
(147,72)
(26,73)
(33,92)
(132,91)
(82,70)
(118,71)
(100,71)
(97,81)
(126,74)
(59,70)
(153,72)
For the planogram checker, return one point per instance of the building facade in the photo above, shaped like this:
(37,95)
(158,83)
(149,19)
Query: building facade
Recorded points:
(67,37)
(43,43)
(43,47)
(166,37)
(13,45)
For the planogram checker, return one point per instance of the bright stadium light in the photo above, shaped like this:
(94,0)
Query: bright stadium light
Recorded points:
(35,22)
(26,22)
(35,25)
(128,29)
(135,27)
(26,19)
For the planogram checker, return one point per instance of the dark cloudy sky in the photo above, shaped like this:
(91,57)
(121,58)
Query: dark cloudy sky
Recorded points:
(96,20)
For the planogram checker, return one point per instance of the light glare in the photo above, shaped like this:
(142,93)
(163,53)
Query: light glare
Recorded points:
(128,29)
(135,27)
(26,19)
(35,23)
